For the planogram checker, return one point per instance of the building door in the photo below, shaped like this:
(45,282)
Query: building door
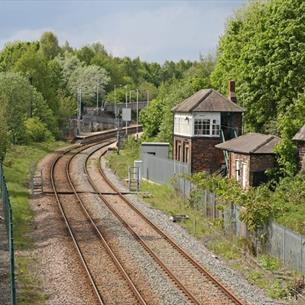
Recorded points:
(237,170)
(186,154)
(244,175)
(178,150)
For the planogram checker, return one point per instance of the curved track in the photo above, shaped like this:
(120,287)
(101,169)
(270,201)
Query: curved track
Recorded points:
(101,265)
(199,286)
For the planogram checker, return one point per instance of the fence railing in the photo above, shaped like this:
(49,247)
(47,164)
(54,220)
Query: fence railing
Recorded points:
(8,219)
(162,170)
(282,243)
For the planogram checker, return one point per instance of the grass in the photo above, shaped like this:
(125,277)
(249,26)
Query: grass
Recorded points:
(120,162)
(18,164)
(164,197)
(293,217)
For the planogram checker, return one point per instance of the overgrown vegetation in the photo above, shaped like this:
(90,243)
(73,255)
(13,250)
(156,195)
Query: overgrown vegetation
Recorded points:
(285,204)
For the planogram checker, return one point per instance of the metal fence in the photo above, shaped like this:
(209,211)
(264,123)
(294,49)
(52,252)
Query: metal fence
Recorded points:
(287,245)
(282,243)
(8,220)
(163,171)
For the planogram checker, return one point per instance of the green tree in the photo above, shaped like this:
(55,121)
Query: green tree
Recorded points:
(12,52)
(288,124)
(88,79)
(157,119)
(44,75)
(49,45)
(263,49)
(20,100)
(36,131)
(68,63)
(4,135)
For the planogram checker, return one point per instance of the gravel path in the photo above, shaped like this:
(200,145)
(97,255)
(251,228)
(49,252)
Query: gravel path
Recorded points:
(232,279)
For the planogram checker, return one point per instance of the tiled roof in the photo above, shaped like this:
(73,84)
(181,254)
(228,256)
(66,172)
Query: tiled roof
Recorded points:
(207,100)
(251,143)
(300,135)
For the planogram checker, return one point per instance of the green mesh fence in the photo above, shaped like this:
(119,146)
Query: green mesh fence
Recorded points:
(8,219)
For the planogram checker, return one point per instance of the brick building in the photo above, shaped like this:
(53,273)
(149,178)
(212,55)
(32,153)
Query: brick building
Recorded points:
(299,139)
(249,156)
(202,121)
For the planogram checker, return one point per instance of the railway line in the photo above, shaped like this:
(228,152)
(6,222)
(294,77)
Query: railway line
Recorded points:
(108,277)
(198,285)
(96,256)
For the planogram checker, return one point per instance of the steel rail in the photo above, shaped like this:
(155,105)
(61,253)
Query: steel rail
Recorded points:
(176,281)
(110,252)
(100,137)
(79,251)
(187,256)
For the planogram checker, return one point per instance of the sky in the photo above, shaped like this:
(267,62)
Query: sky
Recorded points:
(153,30)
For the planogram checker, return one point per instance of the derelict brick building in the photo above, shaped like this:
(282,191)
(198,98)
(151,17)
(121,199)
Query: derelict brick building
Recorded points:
(249,156)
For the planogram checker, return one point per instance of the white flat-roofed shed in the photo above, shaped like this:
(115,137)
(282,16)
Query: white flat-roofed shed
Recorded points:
(158,149)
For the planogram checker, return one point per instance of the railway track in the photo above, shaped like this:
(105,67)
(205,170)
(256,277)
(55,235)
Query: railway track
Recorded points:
(198,285)
(109,281)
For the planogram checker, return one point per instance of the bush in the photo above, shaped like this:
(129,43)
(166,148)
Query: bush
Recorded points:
(37,131)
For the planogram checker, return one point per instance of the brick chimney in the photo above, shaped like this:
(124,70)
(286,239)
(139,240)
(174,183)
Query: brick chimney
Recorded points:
(232,95)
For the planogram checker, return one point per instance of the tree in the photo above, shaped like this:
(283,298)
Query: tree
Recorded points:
(44,75)
(263,49)
(66,47)
(19,101)
(4,133)
(49,45)
(68,63)
(36,131)
(12,52)
(288,125)
(88,79)
(157,119)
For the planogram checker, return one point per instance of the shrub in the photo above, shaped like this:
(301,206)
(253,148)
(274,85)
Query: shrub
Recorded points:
(37,131)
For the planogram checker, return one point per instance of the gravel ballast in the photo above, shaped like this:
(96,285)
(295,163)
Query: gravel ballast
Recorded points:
(155,287)
(231,278)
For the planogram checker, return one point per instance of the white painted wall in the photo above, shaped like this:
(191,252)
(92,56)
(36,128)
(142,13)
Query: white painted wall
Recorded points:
(184,122)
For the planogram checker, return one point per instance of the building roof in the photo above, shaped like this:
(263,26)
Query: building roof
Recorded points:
(207,100)
(155,144)
(300,135)
(251,143)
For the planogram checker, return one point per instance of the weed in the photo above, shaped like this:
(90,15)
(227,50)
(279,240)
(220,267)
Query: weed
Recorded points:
(269,263)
